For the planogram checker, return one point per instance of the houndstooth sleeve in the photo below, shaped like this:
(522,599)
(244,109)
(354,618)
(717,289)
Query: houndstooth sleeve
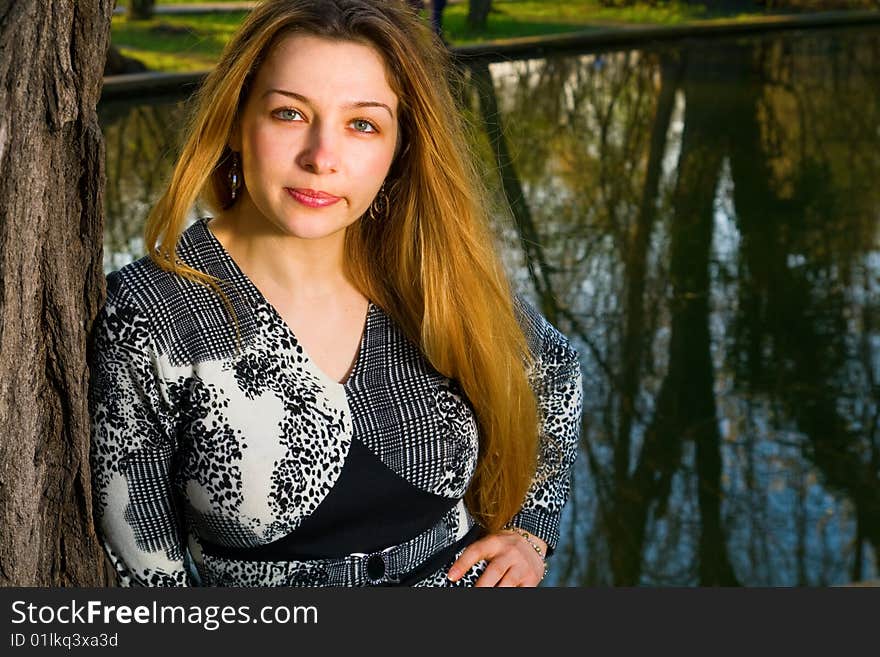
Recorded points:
(131,452)
(558,383)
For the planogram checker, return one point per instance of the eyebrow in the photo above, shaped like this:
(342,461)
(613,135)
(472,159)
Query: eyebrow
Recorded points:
(358,104)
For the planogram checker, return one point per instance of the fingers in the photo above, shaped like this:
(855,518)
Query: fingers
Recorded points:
(476,551)
(495,572)
(514,573)
(511,562)
(514,577)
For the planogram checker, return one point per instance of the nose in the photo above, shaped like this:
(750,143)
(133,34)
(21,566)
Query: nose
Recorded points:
(321,153)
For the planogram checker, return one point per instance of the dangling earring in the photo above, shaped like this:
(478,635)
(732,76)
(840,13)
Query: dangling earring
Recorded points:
(234,176)
(379,206)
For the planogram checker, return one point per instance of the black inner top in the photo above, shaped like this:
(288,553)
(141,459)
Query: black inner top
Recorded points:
(368,509)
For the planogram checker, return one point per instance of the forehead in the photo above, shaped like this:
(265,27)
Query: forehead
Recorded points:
(325,70)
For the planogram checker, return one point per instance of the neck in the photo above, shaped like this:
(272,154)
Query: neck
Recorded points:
(302,270)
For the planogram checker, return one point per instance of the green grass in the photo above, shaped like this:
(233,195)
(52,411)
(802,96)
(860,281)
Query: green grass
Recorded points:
(175,43)
(193,42)
(519,18)
(187,2)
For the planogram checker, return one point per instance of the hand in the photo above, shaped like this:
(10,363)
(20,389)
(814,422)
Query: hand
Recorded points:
(512,561)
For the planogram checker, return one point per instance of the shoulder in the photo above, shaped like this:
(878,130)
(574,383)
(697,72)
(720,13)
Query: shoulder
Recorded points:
(144,285)
(546,342)
(141,285)
(188,321)
(556,362)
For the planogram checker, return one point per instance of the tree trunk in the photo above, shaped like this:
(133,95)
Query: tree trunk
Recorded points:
(704,143)
(626,521)
(140,10)
(478,14)
(51,285)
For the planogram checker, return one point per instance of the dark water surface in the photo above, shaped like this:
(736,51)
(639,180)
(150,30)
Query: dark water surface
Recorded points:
(701,218)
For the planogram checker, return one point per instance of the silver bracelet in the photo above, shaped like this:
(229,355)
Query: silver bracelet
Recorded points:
(535,546)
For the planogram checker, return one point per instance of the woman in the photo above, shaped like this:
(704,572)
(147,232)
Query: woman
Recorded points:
(328,382)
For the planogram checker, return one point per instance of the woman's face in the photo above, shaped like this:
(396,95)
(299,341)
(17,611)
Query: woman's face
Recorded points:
(317,136)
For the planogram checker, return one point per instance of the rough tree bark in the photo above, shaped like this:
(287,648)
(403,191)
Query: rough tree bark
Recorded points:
(51,284)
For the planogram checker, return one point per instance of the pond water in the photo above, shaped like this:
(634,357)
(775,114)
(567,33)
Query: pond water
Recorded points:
(701,219)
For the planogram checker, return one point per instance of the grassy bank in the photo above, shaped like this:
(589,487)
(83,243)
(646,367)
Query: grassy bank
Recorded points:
(192,42)
(175,42)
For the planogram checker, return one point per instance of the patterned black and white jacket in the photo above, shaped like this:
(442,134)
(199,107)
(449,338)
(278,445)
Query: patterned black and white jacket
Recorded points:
(221,462)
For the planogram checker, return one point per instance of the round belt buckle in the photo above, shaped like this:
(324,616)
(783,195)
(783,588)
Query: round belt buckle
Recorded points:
(376,568)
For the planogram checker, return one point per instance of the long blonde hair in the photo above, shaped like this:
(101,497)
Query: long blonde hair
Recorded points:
(430,264)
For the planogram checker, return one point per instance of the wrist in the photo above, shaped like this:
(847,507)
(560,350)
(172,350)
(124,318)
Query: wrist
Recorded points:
(541,544)
(537,544)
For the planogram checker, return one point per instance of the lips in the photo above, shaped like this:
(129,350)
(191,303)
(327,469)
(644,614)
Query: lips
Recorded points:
(312,198)
(314,193)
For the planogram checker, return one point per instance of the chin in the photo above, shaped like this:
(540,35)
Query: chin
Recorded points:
(310,228)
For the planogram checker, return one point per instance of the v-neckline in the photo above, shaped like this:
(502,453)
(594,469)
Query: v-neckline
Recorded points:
(261,298)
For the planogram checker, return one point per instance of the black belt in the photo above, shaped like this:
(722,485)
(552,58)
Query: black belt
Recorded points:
(378,568)
(438,560)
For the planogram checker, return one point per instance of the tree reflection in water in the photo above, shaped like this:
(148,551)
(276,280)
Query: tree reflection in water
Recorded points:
(141,145)
(701,219)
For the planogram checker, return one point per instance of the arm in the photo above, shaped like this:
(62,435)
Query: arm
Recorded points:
(558,383)
(131,453)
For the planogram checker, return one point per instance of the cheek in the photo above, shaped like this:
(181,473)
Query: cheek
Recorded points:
(267,148)
(372,164)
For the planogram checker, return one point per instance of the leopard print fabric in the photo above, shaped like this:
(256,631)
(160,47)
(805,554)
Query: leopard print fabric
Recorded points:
(201,433)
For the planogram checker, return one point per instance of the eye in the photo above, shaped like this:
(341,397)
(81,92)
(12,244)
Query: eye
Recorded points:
(286,111)
(362,125)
